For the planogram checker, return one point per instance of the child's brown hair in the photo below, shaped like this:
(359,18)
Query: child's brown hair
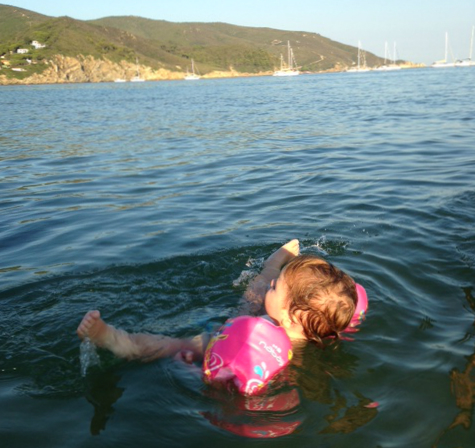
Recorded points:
(321,297)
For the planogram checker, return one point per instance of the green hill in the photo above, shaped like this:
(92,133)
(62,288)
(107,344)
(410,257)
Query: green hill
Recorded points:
(163,45)
(15,22)
(206,42)
(70,37)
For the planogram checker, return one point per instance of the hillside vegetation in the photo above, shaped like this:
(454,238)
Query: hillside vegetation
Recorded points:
(313,51)
(161,45)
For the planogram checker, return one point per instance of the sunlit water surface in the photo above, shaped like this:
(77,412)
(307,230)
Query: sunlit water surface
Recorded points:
(155,203)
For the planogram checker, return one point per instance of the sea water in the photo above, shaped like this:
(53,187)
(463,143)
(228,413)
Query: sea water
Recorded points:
(156,203)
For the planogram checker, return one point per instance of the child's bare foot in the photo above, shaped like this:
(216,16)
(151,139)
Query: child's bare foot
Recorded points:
(283,255)
(94,328)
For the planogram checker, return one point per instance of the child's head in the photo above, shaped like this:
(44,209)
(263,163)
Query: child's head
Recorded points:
(320,299)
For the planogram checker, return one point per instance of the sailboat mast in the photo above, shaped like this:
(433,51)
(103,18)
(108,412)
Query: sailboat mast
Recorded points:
(446,45)
(471,43)
(359,54)
(289,55)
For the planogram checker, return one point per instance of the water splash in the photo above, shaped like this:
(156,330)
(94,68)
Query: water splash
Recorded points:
(320,246)
(247,275)
(244,278)
(88,355)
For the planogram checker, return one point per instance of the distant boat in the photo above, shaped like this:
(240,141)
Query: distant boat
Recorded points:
(361,67)
(387,57)
(288,68)
(119,80)
(467,62)
(137,77)
(193,76)
(443,63)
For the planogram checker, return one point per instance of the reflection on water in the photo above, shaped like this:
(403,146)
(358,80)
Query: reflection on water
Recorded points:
(353,418)
(320,375)
(102,391)
(267,416)
(463,384)
(463,387)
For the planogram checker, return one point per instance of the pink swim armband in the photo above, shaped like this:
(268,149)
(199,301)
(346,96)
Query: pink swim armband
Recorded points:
(249,351)
(360,311)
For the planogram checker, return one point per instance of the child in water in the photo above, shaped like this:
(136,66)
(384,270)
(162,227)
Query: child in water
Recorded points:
(308,297)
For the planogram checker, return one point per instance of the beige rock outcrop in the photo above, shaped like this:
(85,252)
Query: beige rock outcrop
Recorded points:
(82,69)
(65,69)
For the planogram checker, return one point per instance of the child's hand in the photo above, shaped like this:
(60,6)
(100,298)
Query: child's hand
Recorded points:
(186,356)
(283,255)
(256,291)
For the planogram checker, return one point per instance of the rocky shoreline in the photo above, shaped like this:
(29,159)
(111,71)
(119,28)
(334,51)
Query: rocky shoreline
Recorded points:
(86,69)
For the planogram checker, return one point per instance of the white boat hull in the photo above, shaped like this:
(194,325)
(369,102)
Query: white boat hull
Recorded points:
(443,65)
(286,73)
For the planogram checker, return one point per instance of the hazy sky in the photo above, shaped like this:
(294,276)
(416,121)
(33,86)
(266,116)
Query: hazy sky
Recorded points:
(417,26)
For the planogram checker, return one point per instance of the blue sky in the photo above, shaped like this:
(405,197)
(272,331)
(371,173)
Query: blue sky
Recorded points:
(417,26)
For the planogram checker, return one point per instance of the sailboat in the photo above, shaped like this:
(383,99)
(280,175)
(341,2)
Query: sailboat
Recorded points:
(192,76)
(467,62)
(290,68)
(387,57)
(443,63)
(361,62)
(137,77)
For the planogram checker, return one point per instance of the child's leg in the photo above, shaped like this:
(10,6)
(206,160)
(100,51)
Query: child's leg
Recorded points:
(256,291)
(145,347)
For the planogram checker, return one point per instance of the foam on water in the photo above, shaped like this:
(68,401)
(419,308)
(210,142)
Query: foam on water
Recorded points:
(88,356)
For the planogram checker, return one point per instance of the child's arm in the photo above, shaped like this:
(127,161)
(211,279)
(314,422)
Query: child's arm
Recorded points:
(256,291)
(144,347)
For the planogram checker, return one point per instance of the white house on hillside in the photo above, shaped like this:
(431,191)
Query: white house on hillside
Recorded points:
(37,45)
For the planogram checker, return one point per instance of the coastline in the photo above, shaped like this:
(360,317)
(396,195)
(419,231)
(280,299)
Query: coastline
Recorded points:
(86,69)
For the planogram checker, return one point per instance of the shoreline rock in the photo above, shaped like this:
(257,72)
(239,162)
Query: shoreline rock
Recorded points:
(86,69)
